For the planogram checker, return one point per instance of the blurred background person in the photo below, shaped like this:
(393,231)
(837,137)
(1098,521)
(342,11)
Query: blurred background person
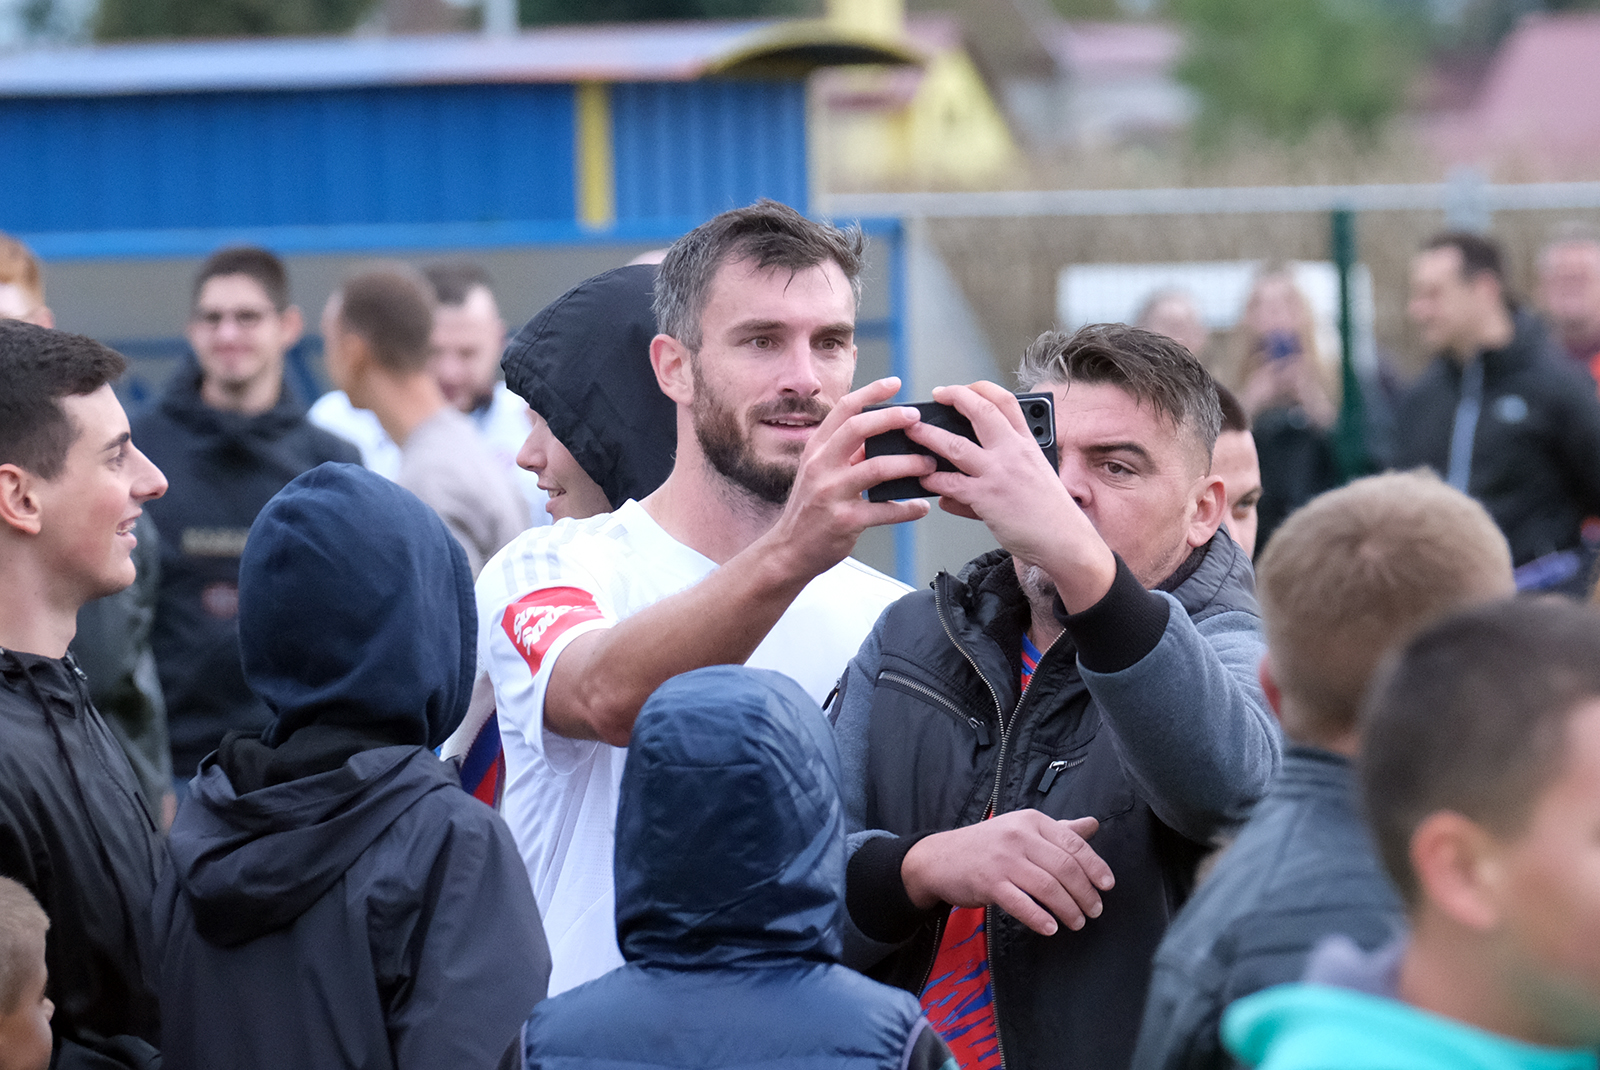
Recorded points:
(1289,392)
(1569,293)
(468,340)
(1175,313)
(22,284)
(1234,459)
(376,328)
(229,432)
(1501,413)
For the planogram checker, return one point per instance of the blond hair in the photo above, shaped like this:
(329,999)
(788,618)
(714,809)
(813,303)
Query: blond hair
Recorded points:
(1358,571)
(20,917)
(19,267)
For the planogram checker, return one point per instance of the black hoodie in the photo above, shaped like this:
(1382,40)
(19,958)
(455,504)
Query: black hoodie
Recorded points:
(583,364)
(75,832)
(222,467)
(333,898)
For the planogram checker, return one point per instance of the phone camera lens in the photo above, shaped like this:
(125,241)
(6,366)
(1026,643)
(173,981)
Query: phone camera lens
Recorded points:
(1036,411)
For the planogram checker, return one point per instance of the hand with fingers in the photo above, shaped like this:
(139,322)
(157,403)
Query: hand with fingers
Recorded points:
(1039,870)
(1006,482)
(826,513)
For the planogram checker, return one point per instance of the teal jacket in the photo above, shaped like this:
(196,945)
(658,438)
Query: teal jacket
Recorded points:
(1319,1027)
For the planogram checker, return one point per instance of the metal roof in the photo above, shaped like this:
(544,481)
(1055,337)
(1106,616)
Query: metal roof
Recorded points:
(634,52)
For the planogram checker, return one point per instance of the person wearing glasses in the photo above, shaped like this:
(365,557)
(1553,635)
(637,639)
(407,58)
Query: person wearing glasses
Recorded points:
(231,433)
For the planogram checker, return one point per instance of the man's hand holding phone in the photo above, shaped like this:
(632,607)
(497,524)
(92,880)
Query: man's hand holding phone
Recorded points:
(1002,477)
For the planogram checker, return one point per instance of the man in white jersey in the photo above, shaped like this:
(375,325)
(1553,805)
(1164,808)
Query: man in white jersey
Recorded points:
(740,556)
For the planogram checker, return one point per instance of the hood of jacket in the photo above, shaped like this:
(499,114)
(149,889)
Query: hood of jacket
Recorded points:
(181,400)
(583,364)
(253,862)
(356,610)
(1317,1027)
(730,829)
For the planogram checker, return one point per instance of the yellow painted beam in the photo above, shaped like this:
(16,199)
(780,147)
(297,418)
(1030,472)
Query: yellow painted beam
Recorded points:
(597,181)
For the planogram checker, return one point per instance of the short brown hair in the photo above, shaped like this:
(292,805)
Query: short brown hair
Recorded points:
(251,261)
(1154,370)
(20,917)
(19,267)
(391,307)
(39,367)
(454,280)
(1472,717)
(1357,571)
(1479,255)
(770,234)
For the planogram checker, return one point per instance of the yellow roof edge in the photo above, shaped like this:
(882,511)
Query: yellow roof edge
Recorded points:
(799,46)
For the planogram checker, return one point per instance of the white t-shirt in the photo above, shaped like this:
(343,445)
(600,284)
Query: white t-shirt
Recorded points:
(537,595)
(502,424)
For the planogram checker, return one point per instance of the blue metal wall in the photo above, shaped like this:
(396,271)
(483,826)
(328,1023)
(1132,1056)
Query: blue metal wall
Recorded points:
(688,150)
(389,154)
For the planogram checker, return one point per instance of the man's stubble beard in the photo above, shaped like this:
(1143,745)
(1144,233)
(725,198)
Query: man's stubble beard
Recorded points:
(726,444)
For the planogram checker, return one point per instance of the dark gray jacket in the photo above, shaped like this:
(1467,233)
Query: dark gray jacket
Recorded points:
(1147,714)
(1303,868)
(1536,450)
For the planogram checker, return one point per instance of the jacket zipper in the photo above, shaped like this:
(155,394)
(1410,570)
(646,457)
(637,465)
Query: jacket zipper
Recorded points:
(994,802)
(978,727)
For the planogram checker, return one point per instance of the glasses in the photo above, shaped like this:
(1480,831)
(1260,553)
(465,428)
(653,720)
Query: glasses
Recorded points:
(246,318)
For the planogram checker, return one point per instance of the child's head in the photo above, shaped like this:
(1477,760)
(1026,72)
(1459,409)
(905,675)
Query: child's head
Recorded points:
(1358,571)
(1481,778)
(24,1010)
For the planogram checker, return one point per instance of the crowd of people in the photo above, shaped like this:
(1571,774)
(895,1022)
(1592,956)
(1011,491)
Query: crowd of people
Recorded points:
(548,722)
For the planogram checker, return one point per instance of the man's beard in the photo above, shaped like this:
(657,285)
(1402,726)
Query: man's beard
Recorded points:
(1037,585)
(727,445)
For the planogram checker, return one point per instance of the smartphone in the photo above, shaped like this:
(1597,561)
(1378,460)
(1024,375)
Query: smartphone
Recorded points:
(1039,410)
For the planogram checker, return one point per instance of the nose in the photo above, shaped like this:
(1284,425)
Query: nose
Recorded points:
(150,483)
(1075,477)
(799,373)
(531,457)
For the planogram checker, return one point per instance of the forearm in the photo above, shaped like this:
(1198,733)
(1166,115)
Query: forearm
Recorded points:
(1191,723)
(601,680)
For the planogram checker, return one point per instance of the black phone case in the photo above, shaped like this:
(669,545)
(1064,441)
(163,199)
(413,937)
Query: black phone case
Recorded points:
(946,417)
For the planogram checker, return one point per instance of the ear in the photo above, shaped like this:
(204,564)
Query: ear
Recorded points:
(1269,685)
(671,360)
(19,504)
(294,325)
(1210,507)
(1458,868)
(42,317)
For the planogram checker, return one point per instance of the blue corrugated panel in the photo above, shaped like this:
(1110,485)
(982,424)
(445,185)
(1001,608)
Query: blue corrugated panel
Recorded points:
(392,154)
(688,150)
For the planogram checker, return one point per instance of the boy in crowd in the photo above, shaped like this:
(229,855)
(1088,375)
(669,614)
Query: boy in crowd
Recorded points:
(73,828)
(376,327)
(24,1008)
(741,935)
(1480,776)
(332,897)
(1346,578)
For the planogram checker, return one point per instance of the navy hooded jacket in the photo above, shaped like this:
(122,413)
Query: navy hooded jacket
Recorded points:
(730,895)
(332,898)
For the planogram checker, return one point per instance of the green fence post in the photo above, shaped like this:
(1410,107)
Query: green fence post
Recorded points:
(1349,436)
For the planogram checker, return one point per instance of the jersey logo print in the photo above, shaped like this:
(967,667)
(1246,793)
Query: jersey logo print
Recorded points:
(538,619)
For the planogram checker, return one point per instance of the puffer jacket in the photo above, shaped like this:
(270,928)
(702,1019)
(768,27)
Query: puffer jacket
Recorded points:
(730,886)
(1146,714)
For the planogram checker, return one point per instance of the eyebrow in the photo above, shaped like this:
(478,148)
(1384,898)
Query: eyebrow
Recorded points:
(118,442)
(1124,447)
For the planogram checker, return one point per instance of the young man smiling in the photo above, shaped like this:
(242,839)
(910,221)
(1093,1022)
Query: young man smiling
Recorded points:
(740,556)
(231,433)
(1093,681)
(73,828)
